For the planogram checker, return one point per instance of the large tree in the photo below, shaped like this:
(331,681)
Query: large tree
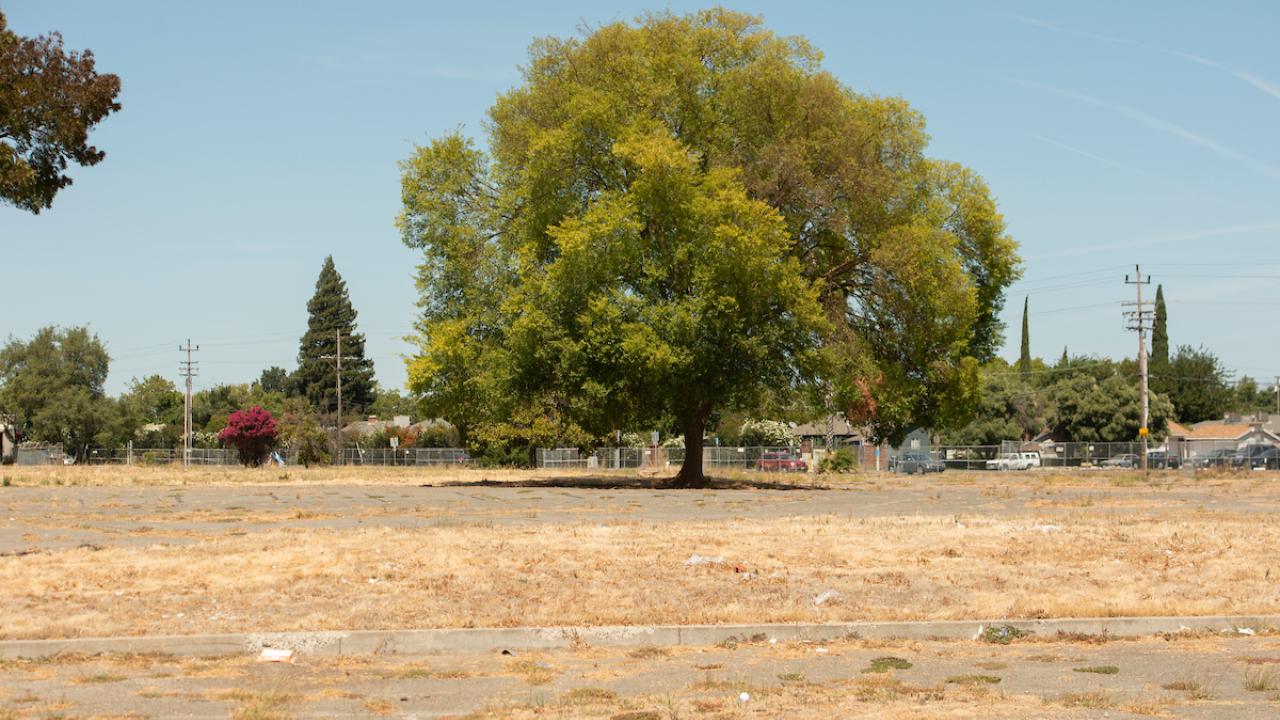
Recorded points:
(52,387)
(49,101)
(152,401)
(1086,409)
(661,206)
(330,314)
(1197,384)
(1010,409)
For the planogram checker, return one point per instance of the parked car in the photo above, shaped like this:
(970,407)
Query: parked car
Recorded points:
(1127,460)
(777,461)
(1221,457)
(1161,459)
(1015,461)
(918,462)
(1256,457)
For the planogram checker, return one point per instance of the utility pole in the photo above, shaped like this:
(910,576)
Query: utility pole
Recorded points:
(1138,319)
(337,455)
(187,368)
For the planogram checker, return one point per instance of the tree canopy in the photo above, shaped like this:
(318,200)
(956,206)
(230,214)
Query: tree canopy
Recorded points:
(679,213)
(52,387)
(1196,382)
(49,101)
(330,313)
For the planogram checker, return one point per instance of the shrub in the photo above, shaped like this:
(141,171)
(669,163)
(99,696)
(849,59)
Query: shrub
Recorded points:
(300,432)
(841,460)
(500,455)
(252,432)
(151,457)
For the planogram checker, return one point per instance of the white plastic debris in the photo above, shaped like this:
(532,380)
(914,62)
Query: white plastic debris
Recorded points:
(773,641)
(1245,631)
(1049,529)
(276,655)
(696,559)
(744,697)
(825,597)
(820,651)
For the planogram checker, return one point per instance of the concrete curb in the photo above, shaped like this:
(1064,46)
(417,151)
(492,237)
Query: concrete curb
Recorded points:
(358,642)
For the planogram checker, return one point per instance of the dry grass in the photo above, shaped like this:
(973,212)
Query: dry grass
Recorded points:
(634,573)
(1063,488)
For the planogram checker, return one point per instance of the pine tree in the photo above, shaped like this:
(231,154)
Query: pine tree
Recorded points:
(330,314)
(1024,361)
(1160,335)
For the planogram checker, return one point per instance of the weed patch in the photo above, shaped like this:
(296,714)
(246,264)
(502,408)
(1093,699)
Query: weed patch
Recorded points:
(973,680)
(1098,669)
(885,664)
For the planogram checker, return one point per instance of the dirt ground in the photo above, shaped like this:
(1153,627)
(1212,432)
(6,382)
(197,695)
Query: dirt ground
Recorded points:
(1080,677)
(108,557)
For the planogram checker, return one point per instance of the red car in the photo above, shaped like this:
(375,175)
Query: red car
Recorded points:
(781,462)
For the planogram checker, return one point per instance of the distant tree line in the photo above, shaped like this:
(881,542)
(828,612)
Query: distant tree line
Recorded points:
(1092,399)
(52,388)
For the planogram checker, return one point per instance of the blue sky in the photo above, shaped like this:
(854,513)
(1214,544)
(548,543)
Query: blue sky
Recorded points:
(256,138)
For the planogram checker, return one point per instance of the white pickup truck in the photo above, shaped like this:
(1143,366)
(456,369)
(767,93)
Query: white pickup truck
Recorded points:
(1015,461)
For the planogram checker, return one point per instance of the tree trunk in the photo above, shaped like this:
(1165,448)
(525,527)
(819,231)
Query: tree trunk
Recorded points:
(690,475)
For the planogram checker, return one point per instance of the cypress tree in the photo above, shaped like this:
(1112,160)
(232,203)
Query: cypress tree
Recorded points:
(1024,361)
(1160,335)
(1065,361)
(329,313)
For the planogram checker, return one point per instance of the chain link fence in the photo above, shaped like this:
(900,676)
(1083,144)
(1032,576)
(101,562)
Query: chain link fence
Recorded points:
(771,459)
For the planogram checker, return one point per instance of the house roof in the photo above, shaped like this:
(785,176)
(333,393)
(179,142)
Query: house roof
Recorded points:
(1222,431)
(364,427)
(840,427)
(1177,429)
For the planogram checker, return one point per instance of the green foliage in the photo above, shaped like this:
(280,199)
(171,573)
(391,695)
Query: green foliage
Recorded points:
(52,388)
(1248,397)
(885,664)
(49,101)
(840,460)
(275,380)
(389,403)
(1010,408)
(1084,409)
(1024,359)
(1196,384)
(300,432)
(495,455)
(211,407)
(1002,634)
(149,413)
(1159,361)
(766,433)
(674,214)
(329,313)
(438,434)
(1098,669)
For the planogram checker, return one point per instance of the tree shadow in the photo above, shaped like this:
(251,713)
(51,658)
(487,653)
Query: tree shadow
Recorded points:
(609,482)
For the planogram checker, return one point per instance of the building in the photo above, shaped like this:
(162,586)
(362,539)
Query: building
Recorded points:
(1231,433)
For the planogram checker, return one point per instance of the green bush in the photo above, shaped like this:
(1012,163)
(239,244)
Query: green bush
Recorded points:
(152,457)
(495,455)
(841,460)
